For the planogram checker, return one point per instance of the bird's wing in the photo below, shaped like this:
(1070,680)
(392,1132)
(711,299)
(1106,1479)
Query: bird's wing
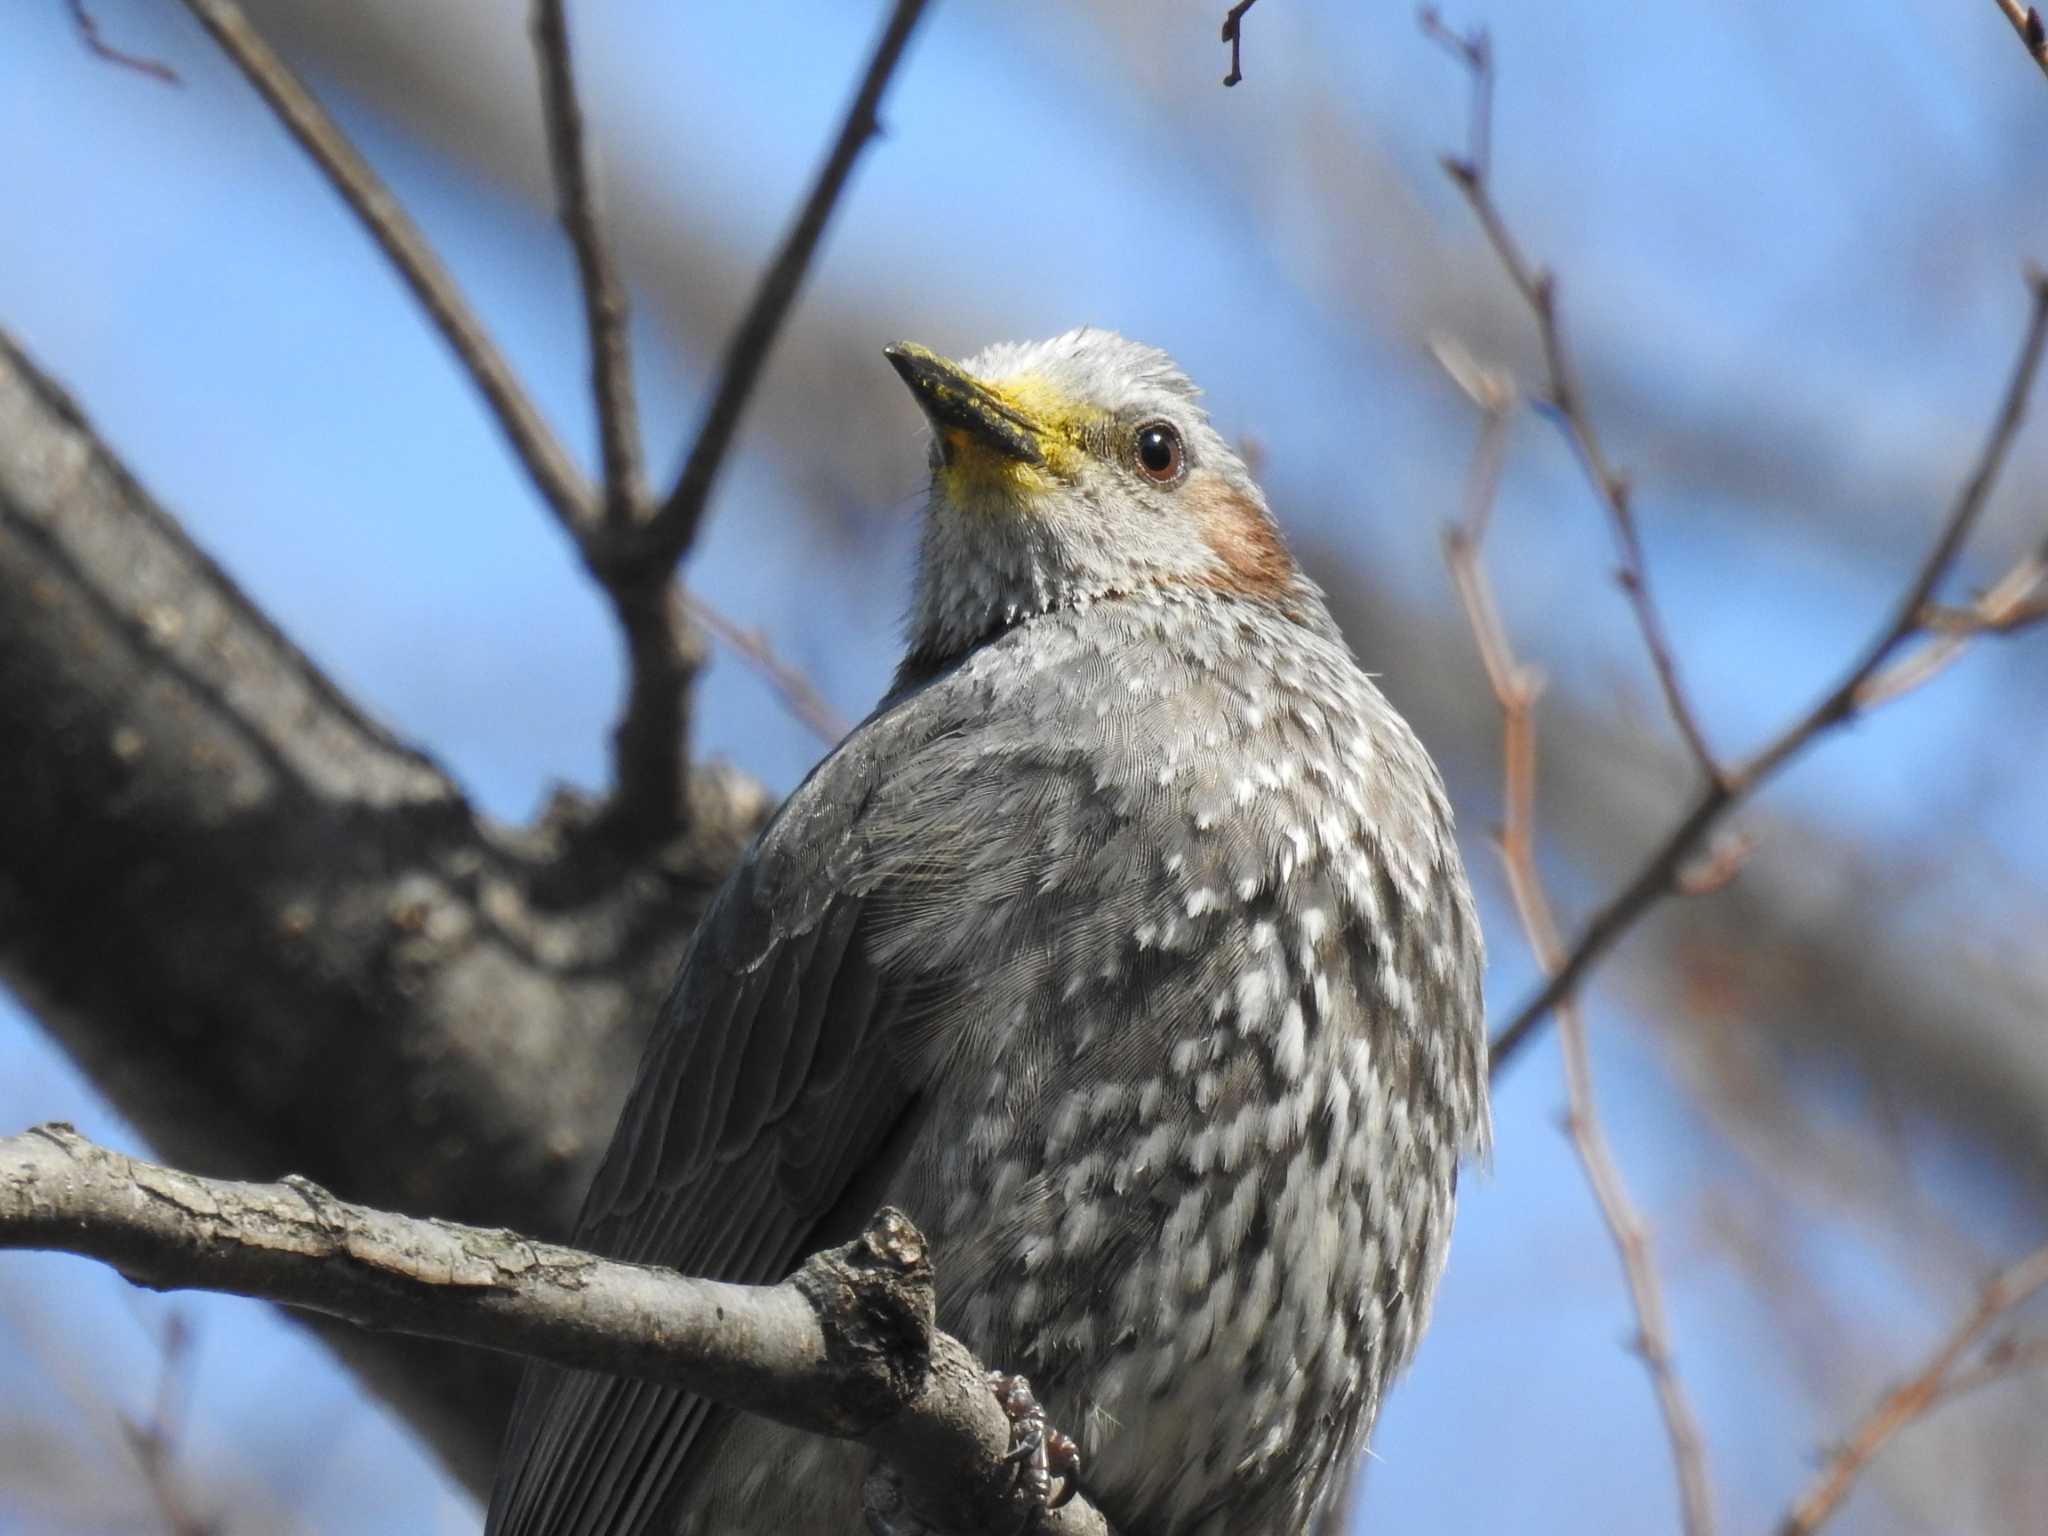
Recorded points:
(772,1094)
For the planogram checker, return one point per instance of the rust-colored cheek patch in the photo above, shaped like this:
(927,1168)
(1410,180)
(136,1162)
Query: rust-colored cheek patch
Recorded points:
(1255,560)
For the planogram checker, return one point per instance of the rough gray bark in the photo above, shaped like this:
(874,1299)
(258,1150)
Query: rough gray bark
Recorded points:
(847,1346)
(276,937)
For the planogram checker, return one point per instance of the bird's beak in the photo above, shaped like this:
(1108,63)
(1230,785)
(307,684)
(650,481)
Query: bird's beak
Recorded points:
(964,410)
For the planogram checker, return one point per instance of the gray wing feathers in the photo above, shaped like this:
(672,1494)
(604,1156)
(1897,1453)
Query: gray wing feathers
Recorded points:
(769,1086)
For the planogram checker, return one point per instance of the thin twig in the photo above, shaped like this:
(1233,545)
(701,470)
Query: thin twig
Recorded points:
(100,48)
(1566,396)
(1233,34)
(604,300)
(675,526)
(2033,32)
(2004,1359)
(1515,688)
(553,473)
(2006,607)
(153,1441)
(797,692)
(1660,871)
(1911,1399)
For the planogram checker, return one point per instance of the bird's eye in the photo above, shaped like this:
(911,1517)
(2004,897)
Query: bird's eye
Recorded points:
(1159,453)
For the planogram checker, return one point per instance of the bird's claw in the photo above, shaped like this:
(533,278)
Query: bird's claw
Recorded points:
(1041,1453)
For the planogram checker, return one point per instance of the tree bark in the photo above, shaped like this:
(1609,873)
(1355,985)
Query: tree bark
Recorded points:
(276,937)
(848,1346)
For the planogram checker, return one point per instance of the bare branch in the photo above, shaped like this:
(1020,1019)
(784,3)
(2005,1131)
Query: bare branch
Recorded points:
(552,471)
(323,914)
(846,1347)
(1233,34)
(604,301)
(2006,1358)
(675,526)
(1515,689)
(1936,1379)
(629,554)
(796,691)
(1660,872)
(100,48)
(636,562)
(153,1440)
(2009,605)
(648,793)
(2033,32)
(1538,287)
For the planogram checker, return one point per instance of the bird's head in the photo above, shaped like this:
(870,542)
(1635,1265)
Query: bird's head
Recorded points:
(1071,471)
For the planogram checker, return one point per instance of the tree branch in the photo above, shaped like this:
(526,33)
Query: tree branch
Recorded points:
(275,936)
(675,526)
(97,45)
(1936,1380)
(2033,32)
(604,301)
(1233,34)
(1661,871)
(632,551)
(846,1347)
(799,695)
(553,473)
(1566,402)
(1515,687)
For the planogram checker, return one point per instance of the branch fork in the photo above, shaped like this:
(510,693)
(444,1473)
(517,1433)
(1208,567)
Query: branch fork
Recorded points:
(630,544)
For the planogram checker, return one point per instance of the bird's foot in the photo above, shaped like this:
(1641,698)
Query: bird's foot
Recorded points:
(1042,1454)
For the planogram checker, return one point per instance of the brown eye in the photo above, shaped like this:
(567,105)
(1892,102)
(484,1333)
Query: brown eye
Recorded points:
(1159,453)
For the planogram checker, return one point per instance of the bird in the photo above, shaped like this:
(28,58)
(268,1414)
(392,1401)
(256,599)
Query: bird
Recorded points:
(1126,946)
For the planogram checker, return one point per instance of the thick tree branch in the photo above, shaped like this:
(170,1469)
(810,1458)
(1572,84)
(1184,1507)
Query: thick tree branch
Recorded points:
(275,936)
(846,1347)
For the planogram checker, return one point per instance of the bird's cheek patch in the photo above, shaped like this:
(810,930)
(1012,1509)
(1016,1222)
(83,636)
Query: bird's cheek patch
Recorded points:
(1254,558)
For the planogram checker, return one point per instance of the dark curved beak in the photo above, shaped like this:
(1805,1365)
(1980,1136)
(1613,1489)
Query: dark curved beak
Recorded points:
(961,405)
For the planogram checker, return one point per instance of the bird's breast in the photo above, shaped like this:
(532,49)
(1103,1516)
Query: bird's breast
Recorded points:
(1196,1125)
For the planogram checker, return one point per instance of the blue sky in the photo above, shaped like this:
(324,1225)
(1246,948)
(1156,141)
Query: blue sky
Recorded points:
(1814,215)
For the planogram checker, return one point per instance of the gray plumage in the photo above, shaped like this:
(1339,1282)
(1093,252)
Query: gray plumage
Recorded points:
(1126,946)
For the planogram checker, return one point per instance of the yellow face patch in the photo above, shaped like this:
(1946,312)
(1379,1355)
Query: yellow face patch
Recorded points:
(975,474)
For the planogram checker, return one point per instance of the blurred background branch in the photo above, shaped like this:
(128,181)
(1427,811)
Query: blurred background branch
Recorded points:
(1939,1378)
(2033,32)
(1516,687)
(1867,682)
